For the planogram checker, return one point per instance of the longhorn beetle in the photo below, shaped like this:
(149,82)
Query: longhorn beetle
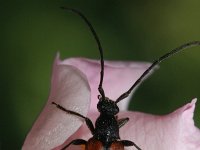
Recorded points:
(105,133)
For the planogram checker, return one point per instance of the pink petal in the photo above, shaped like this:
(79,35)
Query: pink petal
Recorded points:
(175,131)
(118,77)
(71,90)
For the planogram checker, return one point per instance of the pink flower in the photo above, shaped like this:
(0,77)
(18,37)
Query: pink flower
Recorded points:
(75,82)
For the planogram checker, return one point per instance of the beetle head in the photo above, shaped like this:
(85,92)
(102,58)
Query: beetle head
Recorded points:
(107,106)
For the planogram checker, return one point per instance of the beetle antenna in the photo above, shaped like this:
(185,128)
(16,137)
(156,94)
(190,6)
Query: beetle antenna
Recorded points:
(153,65)
(100,88)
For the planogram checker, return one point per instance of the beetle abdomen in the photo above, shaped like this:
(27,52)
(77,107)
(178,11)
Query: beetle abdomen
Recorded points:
(94,144)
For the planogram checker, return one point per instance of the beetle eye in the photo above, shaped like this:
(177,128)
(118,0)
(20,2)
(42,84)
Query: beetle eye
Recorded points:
(99,97)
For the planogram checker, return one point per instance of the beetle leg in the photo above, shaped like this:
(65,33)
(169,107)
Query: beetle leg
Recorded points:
(75,142)
(89,125)
(87,120)
(130,143)
(122,122)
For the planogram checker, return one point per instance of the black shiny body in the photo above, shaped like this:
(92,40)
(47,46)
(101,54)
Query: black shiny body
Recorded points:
(106,126)
(106,129)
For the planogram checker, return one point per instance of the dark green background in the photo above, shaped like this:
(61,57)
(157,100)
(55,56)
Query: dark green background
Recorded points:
(33,31)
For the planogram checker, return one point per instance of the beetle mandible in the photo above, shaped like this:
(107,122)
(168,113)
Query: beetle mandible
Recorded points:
(105,136)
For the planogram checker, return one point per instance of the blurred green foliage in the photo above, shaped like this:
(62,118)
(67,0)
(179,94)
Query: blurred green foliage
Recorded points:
(33,31)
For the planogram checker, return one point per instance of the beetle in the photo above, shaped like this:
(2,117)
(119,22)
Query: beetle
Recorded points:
(105,133)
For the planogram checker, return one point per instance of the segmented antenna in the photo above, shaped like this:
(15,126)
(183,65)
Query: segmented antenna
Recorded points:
(101,91)
(156,62)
